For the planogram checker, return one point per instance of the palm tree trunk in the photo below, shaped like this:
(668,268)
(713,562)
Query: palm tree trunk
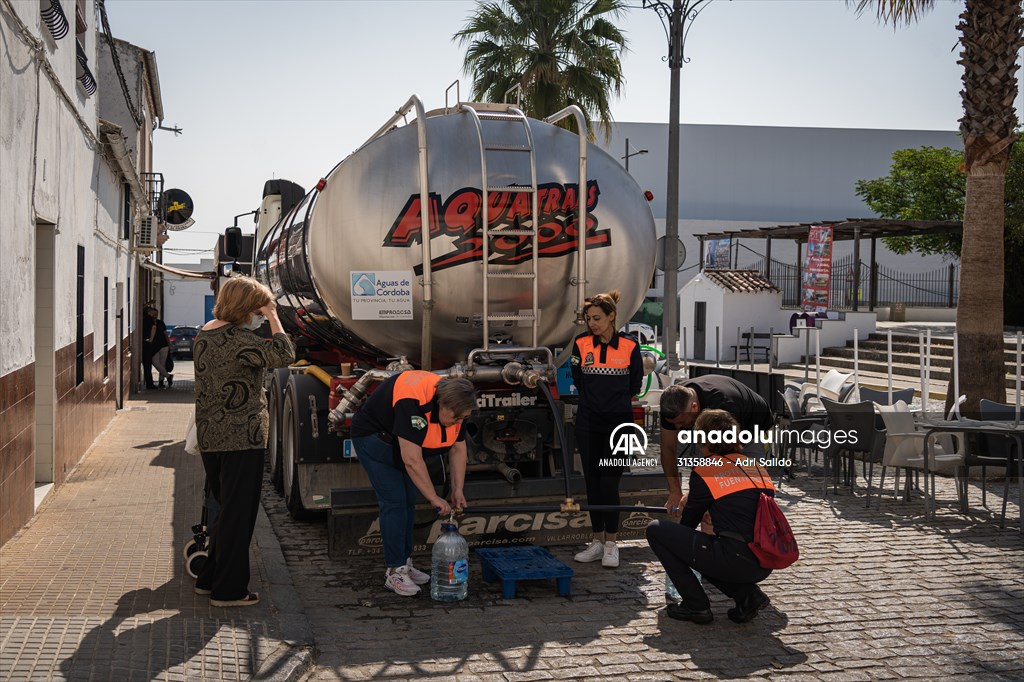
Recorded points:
(979,313)
(992,33)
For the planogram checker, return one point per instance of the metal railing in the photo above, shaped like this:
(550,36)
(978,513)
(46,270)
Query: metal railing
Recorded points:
(939,288)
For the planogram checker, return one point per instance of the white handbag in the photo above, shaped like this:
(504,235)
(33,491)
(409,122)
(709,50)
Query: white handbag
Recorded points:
(191,435)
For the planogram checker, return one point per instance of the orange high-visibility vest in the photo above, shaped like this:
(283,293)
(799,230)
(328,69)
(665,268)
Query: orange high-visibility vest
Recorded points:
(729,477)
(422,387)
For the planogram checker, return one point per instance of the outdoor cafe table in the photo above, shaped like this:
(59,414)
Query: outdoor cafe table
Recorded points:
(1011,430)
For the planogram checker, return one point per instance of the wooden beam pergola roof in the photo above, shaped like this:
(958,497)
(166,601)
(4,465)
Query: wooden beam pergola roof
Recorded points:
(844,230)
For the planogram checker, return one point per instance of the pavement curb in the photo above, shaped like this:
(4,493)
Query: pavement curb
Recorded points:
(297,654)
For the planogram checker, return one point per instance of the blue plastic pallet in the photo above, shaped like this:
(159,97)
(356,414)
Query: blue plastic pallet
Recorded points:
(512,564)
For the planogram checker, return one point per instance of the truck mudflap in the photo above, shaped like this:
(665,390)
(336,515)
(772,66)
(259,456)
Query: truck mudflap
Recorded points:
(353,526)
(316,481)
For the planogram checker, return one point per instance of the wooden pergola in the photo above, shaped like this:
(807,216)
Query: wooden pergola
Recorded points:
(848,229)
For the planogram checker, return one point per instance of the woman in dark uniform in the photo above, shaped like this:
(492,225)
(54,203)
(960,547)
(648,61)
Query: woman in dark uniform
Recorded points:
(607,370)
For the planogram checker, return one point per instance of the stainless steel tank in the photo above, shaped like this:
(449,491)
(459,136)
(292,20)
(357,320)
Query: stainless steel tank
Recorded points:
(362,228)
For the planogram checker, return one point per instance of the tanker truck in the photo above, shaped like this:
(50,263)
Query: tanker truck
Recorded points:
(523,220)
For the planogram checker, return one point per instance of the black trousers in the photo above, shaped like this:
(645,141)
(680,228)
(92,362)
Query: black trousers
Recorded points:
(147,365)
(602,481)
(726,563)
(235,481)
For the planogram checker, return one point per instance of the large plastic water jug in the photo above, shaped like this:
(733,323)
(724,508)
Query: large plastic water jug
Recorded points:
(449,575)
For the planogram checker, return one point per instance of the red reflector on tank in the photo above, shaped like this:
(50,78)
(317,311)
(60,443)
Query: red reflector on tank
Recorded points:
(320,185)
(649,195)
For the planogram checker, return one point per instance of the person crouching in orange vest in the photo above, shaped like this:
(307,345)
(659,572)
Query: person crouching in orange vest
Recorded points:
(727,485)
(412,416)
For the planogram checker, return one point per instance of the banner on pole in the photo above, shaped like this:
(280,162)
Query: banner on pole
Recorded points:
(817,266)
(719,254)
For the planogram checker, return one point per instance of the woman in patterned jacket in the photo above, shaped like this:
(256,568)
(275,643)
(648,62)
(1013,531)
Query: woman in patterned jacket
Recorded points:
(231,424)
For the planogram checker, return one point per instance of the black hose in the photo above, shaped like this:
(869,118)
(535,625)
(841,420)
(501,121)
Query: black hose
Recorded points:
(560,430)
(557,507)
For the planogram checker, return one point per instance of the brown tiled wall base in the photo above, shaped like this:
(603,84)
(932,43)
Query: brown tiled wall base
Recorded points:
(17,449)
(82,412)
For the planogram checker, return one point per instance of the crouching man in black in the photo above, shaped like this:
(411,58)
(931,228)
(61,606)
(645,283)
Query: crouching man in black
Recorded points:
(726,485)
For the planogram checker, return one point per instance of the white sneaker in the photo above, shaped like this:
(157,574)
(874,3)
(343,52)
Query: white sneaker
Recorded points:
(418,576)
(611,555)
(400,582)
(591,553)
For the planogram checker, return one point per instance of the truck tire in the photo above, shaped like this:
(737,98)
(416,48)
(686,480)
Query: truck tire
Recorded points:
(275,401)
(296,423)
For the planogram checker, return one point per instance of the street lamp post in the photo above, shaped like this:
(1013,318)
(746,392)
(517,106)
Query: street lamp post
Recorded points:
(629,154)
(680,17)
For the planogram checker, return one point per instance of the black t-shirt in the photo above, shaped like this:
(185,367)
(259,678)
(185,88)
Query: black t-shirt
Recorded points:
(719,392)
(160,338)
(407,417)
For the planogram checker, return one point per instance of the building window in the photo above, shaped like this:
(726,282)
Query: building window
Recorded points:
(126,211)
(80,319)
(106,326)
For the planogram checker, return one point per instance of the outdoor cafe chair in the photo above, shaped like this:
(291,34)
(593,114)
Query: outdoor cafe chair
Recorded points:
(904,449)
(994,450)
(858,419)
(882,397)
(834,385)
(800,425)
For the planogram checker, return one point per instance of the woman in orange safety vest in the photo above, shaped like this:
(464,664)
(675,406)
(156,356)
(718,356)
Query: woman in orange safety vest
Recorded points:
(727,485)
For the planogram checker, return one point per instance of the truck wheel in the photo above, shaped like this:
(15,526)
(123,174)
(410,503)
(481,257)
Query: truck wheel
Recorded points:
(275,398)
(295,419)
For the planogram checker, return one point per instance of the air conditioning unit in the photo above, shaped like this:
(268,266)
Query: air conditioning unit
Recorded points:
(149,231)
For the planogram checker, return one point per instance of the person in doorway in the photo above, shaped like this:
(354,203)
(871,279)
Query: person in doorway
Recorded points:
(607,369)
(682,403)
(147,352)
(231,427)
(412,416)
(158,346)
(728,488)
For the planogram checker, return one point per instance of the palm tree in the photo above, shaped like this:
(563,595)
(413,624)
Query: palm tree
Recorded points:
(992,32)
(559,52)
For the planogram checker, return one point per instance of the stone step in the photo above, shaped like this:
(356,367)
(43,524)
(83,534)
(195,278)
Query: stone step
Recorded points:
(915,348)
(906,357)
(902,369)
(913,340)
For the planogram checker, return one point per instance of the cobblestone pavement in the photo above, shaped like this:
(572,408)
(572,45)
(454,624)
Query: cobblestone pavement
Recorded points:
(94,587)
(878,594)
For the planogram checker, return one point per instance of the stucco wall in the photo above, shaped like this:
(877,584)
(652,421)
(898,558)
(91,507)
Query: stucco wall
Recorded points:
(18,111)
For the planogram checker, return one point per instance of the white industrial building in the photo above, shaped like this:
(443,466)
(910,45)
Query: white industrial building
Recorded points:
(740,177)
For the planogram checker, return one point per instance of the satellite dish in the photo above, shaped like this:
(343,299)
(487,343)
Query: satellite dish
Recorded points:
(178,208)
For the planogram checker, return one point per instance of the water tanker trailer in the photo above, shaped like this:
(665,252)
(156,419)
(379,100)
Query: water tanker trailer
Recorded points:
(523,220)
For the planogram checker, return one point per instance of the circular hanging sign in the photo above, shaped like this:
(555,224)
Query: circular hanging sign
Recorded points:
(664,250)
(177,209)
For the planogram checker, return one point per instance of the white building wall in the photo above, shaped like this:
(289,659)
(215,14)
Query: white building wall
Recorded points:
(18,112)
(55,171)
(185,299)
(739,177)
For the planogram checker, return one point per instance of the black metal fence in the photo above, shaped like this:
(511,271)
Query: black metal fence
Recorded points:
(939,288)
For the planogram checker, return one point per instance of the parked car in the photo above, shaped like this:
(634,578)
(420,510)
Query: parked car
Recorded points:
(644,333)
(182,338)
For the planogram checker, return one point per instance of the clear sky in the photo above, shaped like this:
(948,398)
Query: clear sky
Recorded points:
(276,88)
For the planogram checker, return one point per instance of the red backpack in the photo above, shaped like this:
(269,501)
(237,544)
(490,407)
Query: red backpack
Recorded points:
(774,544)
